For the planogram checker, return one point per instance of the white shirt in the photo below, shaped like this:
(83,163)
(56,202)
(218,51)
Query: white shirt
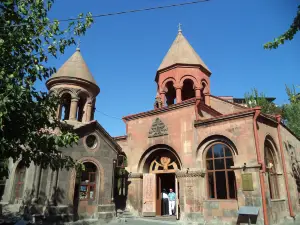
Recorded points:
(164,195)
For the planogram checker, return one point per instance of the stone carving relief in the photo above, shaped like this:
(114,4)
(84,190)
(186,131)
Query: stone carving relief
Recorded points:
(164,164)
(149,193)
(191,173)
(157,129)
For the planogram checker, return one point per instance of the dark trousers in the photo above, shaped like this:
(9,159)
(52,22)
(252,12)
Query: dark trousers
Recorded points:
(165,206)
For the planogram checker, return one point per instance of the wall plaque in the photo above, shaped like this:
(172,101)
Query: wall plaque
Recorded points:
(247,182)
(157,129)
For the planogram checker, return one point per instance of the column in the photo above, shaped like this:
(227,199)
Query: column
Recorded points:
(198,92)
(54,187)
(37,182)
(178,94)
(58,111)
(162,97)
(88,111)
(73,108)
(207,99)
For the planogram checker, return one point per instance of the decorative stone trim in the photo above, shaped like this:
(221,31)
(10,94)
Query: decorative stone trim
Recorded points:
(157,129)
(135,175)
(192,173)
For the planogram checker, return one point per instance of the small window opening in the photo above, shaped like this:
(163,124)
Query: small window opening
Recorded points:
(188,90)
(171,93)
(65,106)
(220,177)
(91,141)
(87,189)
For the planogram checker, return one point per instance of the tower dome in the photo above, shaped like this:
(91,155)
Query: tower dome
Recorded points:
(77,88)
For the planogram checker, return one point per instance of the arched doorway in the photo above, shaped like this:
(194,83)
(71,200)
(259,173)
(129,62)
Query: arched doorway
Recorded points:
(159,165)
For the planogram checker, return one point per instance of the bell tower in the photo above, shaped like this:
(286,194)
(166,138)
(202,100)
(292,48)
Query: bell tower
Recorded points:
(76,88)
(182,75)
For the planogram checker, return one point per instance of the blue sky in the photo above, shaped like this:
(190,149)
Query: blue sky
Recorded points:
(123,52)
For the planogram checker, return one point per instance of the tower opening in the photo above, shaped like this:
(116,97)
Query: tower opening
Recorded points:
(64,112)
(188,90)
(81,111)
(203,90)
(171,93)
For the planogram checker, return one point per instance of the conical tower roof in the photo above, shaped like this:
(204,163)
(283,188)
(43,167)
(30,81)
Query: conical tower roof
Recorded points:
(75,67)
(181,52)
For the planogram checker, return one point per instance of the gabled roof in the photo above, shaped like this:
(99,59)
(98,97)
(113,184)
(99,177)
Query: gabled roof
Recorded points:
(75,67)
(181,52)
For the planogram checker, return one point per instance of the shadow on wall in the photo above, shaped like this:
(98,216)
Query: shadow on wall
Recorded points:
(121,189)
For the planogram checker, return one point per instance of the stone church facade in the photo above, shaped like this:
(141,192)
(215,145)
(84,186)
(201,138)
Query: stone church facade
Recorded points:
(216,154)
(65,194)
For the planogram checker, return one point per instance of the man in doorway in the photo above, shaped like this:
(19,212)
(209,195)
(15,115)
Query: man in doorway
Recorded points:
(172,198)
(165,202)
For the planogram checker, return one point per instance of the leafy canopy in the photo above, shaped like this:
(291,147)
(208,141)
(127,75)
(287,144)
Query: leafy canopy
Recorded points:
(28,126)
(254,99)
(291,111)
(288,35)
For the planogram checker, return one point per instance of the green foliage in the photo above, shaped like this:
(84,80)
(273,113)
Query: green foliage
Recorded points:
(291,111)
(28,125)
(288,35)
(254,99)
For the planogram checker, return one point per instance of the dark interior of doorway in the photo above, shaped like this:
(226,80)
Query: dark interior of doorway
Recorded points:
(164,181)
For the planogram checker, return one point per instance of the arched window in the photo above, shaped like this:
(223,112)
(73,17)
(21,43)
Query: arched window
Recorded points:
(171,93)
(64,112)
(220,177)
(271,170)
(88,182)
(19,180)
(81,112)
(187,90)
(203,89)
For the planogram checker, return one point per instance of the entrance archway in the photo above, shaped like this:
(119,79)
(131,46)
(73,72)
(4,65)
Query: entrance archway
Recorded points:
(159,164)
(154,155)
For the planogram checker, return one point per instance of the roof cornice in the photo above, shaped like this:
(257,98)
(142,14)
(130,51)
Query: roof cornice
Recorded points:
(160,110)
(95,124)
(182,65)
(120,138)
(222,118)
(72,80)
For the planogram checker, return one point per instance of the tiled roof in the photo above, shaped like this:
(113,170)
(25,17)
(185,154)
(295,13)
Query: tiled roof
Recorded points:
(75,67)
(181,52)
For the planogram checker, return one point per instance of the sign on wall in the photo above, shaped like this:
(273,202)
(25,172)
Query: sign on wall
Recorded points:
(247,182)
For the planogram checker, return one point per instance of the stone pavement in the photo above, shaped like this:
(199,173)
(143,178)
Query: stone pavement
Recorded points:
(144,221)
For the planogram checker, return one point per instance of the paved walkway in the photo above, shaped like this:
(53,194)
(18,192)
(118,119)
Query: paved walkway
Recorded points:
(146,221)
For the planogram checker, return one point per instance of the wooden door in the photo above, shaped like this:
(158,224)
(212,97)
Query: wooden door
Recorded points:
(149,194)
(158,195)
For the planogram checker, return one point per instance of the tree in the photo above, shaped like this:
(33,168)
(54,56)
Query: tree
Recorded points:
(254,99)
(28,126)
(288,35)
(291,111)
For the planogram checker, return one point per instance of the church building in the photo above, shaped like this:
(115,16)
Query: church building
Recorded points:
(65,194)
(217,154)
